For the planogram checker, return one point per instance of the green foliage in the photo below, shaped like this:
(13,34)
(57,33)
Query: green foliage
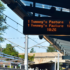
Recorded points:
(32,50)
(8,59)
(22,56)
(60,66)
(2,18)
(0,48)
(9,66)
(10,50)
(51,49)
(2,8)
(31,58)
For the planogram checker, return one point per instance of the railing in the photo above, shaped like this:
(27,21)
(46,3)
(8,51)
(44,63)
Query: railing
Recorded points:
(10,69)
(14,69)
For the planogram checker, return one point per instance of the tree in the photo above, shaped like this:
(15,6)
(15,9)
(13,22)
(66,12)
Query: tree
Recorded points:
(2,19)
(10,50)
(32,50)
(51,49)
(0,48)
(31,58)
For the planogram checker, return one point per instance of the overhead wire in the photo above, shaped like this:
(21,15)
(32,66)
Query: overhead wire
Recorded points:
(37,44)
(19,45)
(19,38)
(15,28)
(12,19)
(14,43)
(35,41)
(21,33)
(16,38)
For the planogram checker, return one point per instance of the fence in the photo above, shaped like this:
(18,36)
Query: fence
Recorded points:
(15,69)
(10,69)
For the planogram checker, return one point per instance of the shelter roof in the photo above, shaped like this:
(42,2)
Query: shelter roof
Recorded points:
(60,3)
(61,43)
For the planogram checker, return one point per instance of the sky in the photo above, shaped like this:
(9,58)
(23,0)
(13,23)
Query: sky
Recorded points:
(18,38)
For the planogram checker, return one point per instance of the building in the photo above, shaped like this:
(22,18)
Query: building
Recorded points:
(45,60)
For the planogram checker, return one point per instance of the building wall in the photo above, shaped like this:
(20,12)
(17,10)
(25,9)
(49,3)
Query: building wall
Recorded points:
(45,57)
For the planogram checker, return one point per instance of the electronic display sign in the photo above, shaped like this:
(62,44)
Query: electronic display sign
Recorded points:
(46,26)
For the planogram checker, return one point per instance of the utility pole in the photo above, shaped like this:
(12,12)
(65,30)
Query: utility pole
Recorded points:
(26,52)
(64,52)
(55,63)
(58,62)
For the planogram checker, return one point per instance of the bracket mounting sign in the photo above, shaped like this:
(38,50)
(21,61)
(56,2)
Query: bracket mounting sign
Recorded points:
(46,26)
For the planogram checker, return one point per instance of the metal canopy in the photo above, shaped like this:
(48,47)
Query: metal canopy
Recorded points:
(18,7)
(60,43)
(66,38)
(60,3)
(47,12)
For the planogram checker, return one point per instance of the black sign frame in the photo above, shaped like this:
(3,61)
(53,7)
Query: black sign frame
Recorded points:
(42,31)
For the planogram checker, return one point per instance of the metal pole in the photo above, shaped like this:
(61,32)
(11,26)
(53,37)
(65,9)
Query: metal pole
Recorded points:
(10,65)
(55,63)
(15,67)
(26,52)
(58,62)
(4,65)
(20,66)
(64,52)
